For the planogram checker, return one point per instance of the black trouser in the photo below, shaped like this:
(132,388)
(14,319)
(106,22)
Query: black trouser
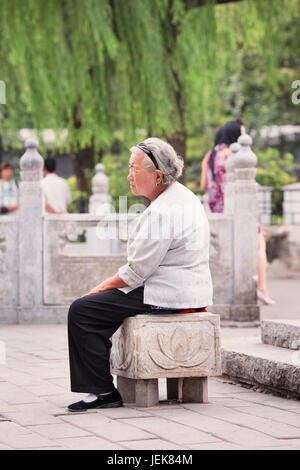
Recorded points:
(92,320)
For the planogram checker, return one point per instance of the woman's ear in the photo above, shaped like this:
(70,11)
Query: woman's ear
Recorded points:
(159,176)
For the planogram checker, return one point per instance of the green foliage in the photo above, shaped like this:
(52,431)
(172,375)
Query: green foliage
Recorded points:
(99,67)
(66,65)
(116,168)
(95,66)
(75,194)
(274,169)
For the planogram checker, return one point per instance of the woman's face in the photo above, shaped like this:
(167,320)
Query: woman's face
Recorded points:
(243,129)
(142,181)
(7,174)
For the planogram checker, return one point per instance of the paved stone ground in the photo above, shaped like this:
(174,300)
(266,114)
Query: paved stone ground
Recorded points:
(286,293)
(34,391)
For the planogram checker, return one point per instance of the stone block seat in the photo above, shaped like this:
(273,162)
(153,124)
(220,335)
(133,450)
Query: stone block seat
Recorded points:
(182,348)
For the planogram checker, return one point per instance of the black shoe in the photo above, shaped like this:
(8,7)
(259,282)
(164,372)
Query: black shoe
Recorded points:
(113,400)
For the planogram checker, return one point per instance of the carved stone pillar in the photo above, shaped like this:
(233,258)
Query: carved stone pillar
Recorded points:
(100,204)
(30,228)
(245,233)
(100,199)
(230,179)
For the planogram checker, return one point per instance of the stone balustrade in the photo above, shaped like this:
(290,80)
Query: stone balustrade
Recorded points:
(44,267)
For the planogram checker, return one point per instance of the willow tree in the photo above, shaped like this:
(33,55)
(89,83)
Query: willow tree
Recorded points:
(66,64)
(212,45)
(97,66)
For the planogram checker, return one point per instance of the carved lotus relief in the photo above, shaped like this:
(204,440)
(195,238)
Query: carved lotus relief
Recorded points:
(178,348)
(122,353)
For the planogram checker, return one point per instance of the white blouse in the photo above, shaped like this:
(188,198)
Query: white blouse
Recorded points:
(168,252)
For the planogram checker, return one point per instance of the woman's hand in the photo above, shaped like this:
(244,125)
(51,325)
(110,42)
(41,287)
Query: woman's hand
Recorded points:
(100,288)
(110,283)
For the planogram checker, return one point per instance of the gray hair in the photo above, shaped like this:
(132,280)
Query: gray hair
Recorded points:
(167,159)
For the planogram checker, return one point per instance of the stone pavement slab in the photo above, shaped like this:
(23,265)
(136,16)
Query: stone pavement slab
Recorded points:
(224,431)
(267,426)
(100,425)
(58,430)
(125,412)
(19,437)
(216,446)
(34,393)
(15,395)
(277,415)
(170,430)
(286,293)
(88,443)
(154,444)
(36,413)
(269,400)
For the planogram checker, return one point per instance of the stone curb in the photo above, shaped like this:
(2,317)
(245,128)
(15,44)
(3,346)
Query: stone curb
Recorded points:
(285,334)
(278,377)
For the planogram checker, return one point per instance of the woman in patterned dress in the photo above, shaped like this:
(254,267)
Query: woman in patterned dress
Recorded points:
(213,180)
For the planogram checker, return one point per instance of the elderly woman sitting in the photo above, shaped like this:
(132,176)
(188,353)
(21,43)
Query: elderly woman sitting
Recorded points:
(167,269)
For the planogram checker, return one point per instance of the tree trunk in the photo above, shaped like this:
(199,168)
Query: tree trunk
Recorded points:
(179,137)
(178,141)
(83,158)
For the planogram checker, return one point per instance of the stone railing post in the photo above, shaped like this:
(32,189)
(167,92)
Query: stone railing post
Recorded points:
(99,204)
(230,179)
(100,199)
(245,233)
(30,231)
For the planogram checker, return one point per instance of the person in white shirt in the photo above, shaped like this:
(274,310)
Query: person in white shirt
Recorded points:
(55,189)
(167,267)
(8,189)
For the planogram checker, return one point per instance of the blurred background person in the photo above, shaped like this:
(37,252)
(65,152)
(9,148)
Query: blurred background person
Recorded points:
(213,177)
(213,180)
(55,189)
(8,189)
